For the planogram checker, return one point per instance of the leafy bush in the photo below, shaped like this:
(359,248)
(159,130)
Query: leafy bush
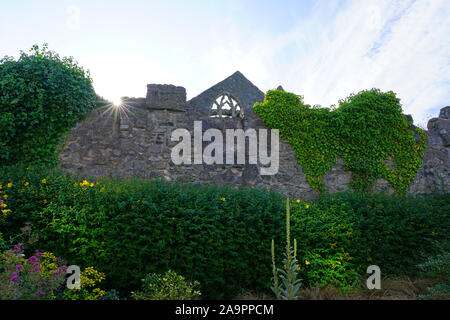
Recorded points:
(169,286)
(325,235)
(112,294)
(340,235)
(89,280)
(437,267)
(25,193)
(41,97)
(219,236)
(365,131)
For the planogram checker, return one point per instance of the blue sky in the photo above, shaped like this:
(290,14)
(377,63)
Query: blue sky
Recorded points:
(323,50)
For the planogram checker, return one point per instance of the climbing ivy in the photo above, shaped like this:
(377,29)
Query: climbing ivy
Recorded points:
(366,130)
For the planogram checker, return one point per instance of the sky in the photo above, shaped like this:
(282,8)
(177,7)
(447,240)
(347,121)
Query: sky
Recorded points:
(324,50)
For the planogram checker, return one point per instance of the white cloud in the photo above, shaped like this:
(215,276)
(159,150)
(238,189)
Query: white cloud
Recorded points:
(401,46)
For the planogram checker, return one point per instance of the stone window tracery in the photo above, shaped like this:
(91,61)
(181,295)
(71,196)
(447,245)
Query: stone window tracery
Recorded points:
(226,106)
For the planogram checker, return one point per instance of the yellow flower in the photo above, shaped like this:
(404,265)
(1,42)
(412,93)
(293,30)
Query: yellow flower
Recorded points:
(298,267)
(298,200)
(306,206)
(5,211)
(44,181)
(5,196)
(26,184)
(10,185)
(307,262)
(91,185)
(223,199)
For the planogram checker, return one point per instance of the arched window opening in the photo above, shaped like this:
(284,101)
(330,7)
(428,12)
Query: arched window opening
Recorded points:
(226,106)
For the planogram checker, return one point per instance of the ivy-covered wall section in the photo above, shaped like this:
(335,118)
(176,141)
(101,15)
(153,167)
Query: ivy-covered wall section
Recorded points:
(366,130)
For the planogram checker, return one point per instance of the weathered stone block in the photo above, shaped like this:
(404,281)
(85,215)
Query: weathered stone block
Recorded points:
(445,113)
(133,102)
(440,127)
(163,96)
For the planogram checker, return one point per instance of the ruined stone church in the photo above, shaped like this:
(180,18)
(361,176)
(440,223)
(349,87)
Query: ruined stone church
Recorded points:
(135,140)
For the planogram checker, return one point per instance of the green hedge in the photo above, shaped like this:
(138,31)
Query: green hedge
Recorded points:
(342,234)
(218,235)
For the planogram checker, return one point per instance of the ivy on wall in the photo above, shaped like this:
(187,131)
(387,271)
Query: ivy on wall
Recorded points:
(366,130)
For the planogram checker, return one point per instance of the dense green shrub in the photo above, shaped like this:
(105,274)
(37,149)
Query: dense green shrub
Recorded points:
(219,236)
(90,279)
(168,286)
(437,267)
(365,130)
(324,236)
(25,195)
(41,97)
(340,235)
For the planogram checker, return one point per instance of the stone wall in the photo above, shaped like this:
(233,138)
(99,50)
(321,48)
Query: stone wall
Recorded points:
(136,141)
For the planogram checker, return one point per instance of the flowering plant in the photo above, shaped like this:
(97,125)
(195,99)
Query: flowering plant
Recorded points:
(35,278)
(289,285)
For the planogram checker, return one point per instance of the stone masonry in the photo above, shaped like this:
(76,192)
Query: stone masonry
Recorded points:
(135,140)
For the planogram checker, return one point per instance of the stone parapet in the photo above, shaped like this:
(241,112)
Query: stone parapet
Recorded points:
(164,96)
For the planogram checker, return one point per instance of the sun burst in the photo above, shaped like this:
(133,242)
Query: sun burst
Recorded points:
(117,102)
